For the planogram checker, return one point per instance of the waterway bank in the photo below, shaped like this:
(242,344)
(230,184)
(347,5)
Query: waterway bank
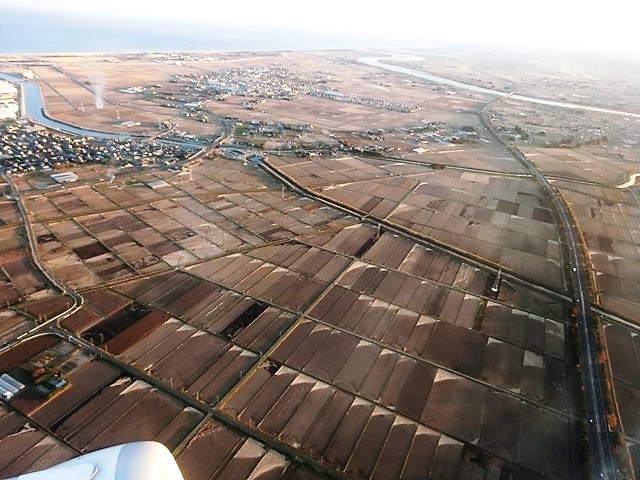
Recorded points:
(379,63)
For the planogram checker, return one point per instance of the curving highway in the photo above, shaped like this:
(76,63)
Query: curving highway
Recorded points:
(600,447)
(77,299)
(601,452)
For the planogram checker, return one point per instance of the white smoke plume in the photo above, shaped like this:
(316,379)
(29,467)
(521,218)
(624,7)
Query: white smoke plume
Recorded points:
(97,90)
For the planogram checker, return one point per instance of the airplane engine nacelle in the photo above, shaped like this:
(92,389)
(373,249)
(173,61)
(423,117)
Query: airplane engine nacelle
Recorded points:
(130,461)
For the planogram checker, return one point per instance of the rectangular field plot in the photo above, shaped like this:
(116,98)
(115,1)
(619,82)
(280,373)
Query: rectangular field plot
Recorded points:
(127,410)
(353,240)
(48,307)
(366,440)
(191,360)
(9,213)
(291,275)
(102,305)
(41,208)
(245,321)
(609,219)
(396,253)
(378,370)
(623,347)
(528,330)
(19,279)
(12,324)
(24,449)
(216,452)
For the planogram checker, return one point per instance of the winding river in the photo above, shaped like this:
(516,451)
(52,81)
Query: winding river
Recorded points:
(631,182)
(378,62)
(32,107)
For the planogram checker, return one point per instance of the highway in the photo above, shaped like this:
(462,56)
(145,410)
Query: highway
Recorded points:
(600,446)
(601,452)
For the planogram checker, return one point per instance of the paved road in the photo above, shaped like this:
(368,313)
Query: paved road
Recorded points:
(601,450)
(600,447)
(77,299)
(51,326)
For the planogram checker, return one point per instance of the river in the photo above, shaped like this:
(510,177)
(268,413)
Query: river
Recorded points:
(32,107)
(631,182)
(376,62)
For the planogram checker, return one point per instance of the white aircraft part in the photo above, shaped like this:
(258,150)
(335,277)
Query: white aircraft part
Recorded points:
(131,461)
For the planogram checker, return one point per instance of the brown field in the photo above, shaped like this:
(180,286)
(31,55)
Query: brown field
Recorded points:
(586,164)
(294,289)
(610,223)
(485,356)
(12,325)
(9,214)
(235,457)
(127,411)
(19,280)
(190,360)
(93,234)
(366,440)
(207,307)
(48,307)
(257,321)
(498,218)
(623,347)
(23,449)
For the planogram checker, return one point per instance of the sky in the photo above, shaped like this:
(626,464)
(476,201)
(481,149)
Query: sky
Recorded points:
(581,26)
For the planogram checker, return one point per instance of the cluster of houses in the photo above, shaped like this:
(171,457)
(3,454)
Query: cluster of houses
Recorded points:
(8,101)
(367,101)
(26,147)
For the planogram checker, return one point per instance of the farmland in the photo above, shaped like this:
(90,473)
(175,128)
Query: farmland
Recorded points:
(354,280)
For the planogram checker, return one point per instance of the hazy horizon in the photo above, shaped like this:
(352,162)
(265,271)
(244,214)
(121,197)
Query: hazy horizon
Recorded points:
(70,26)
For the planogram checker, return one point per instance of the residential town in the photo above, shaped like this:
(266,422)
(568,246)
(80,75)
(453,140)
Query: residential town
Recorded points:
(26,147)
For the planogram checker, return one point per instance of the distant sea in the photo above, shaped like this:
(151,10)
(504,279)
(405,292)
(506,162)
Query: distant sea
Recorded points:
(26,31)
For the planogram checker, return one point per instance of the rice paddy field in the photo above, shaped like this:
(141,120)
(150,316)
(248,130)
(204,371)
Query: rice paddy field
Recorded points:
(263,331)
(299,328)
(609,219)
(502,219)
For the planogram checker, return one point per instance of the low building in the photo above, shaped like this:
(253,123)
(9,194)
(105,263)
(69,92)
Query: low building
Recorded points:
(154,184)
(65,177)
